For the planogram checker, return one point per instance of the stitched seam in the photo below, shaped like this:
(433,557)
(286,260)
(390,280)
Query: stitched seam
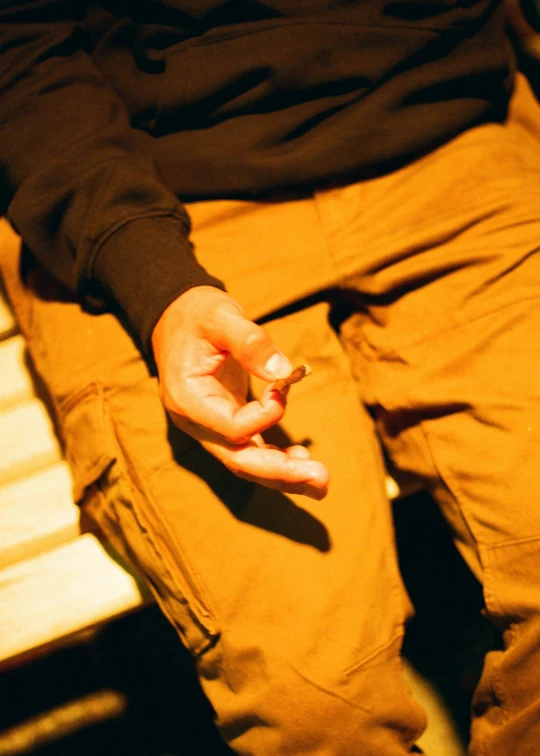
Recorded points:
(103,486)
(351,669)
(331,693)
(206,630)
(513,542)
(452,487)
(498,685)
(201,41)
(488,589)
(207,621)
(483,548)
(395,352)
(373,654)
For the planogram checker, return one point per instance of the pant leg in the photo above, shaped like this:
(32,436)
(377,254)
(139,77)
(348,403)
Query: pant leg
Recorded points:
(446,353)
(292,609)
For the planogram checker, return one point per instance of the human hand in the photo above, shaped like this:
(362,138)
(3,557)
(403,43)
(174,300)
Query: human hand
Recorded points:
(205,348)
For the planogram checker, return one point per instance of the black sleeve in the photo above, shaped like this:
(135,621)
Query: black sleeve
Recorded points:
(79,186)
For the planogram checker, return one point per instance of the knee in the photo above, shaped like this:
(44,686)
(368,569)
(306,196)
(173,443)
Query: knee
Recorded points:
(277,709)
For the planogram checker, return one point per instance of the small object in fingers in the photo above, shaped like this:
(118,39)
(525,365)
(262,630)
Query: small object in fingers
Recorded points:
(297,374)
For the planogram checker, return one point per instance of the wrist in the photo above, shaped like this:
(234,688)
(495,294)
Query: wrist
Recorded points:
(194,305)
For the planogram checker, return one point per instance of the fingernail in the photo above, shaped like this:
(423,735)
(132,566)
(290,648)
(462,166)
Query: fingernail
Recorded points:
(278,366)
(315,493)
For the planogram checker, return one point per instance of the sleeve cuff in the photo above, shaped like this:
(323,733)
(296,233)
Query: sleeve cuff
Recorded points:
(144,266)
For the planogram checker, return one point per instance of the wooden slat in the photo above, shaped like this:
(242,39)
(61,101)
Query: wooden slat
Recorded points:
(7,321)
(393,490)
(16,383)
(61,592)
(399,485)
(53,725)
(37,513)
(27,441)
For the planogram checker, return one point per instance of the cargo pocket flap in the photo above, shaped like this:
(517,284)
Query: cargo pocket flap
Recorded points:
(89,447)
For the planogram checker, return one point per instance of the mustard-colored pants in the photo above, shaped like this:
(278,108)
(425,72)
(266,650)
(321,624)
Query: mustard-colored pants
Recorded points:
(415,298)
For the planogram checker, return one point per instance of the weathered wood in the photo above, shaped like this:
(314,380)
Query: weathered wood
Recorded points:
(37,513)
(16,383)
(61,592)
(27,441)
(51,726)
(7,321)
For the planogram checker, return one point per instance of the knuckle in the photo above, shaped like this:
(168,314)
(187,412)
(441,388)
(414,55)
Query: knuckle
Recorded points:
(250,340)
(174,407)
(236,436)
(222,312)
(227,306)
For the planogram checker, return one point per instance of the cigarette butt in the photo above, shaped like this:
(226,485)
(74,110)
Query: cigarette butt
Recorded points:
(296,375)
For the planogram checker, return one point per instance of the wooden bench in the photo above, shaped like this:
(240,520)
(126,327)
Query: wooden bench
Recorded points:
(57,583)
(54,580)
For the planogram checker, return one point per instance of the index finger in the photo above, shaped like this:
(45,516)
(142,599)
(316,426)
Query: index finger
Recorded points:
(273,468)
(235,422)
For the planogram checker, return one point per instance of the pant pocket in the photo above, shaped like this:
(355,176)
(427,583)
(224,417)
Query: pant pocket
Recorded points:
(107,493)
(88,444)
(511,578)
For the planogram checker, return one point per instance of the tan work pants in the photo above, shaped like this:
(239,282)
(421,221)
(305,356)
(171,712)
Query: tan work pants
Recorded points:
(294,609)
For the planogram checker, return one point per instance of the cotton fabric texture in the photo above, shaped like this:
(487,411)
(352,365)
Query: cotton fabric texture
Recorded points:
(415,299)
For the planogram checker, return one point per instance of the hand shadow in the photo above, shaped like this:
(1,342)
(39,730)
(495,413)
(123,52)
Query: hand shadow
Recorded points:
(255,505)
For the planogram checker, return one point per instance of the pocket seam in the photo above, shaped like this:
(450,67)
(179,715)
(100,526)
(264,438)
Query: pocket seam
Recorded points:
(192,591)
(99,460)
(89,467)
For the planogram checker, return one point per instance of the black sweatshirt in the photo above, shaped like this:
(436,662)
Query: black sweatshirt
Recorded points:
(112,113)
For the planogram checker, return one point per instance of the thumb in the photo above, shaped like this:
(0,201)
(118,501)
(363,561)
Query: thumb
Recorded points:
(249,345)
